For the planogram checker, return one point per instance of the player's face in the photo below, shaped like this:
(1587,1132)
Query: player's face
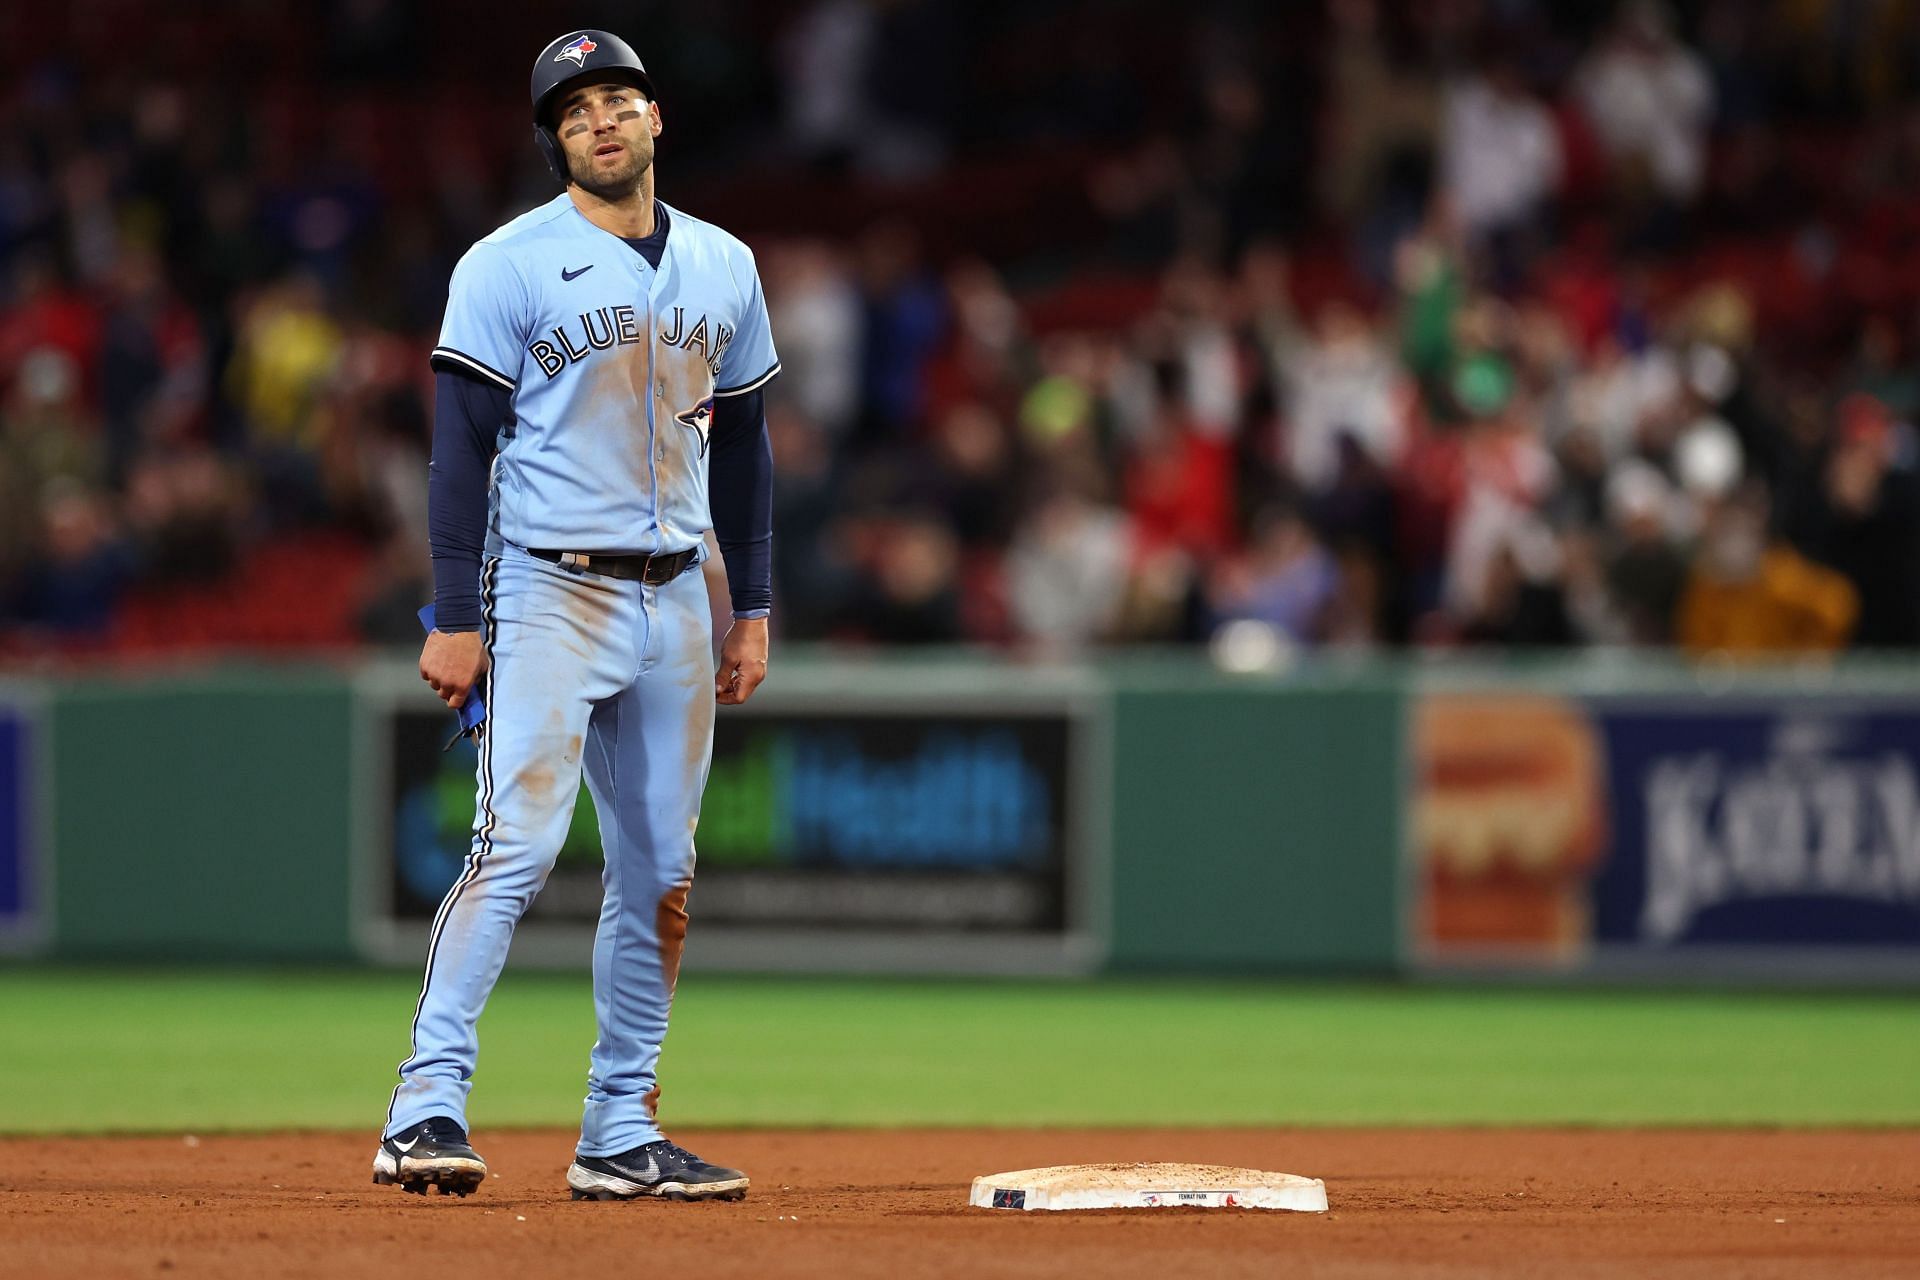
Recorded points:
(607,131)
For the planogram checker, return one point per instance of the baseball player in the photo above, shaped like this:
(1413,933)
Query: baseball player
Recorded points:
(597,410)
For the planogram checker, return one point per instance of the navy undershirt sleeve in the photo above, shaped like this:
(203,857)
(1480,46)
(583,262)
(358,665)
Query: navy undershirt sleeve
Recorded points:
(468,414)
(740,494)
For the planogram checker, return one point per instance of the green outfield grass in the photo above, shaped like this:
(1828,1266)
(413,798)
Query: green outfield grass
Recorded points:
(98,1050)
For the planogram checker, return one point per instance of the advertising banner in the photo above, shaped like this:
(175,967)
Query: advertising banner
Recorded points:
(1621,831)
(861,833)
(21,904)
(1789,827)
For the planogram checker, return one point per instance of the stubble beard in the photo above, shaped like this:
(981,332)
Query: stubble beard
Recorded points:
(611,185)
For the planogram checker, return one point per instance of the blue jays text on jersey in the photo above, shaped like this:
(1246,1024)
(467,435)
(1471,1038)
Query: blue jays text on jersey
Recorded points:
(614,367)
(609,327)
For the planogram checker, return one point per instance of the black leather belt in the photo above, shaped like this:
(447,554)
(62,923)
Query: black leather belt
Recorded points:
(649,569)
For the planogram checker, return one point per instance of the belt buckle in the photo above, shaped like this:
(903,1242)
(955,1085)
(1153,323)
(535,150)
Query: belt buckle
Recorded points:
(575,560)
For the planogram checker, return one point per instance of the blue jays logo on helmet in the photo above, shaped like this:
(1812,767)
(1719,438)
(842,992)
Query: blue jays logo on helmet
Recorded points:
(700,419)
(577,51)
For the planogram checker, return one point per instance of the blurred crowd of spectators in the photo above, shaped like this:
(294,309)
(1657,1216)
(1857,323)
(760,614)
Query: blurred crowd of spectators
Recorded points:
(1505,323)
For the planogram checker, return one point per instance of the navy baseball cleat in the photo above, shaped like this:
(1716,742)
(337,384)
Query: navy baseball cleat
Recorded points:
(656,1169)
(433,1153)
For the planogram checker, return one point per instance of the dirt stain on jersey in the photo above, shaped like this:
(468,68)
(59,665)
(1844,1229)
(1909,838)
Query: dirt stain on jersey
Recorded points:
(617,387)
(682,444)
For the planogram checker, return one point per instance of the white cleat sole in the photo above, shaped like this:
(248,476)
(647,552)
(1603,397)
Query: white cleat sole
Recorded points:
(589,1184)
(454,1177)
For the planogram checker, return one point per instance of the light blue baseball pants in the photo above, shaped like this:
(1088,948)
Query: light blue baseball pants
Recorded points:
(616,677)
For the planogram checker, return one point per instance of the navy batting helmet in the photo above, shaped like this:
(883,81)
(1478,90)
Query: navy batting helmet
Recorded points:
(577,55)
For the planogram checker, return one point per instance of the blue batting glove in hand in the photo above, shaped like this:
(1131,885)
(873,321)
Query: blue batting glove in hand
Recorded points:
(473,712)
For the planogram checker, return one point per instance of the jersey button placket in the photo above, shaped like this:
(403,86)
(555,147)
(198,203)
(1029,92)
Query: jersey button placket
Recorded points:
(650,280)
(656,405)
(659,408)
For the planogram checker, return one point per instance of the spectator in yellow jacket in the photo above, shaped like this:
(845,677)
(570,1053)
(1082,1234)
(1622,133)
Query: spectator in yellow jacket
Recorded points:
(1749,595)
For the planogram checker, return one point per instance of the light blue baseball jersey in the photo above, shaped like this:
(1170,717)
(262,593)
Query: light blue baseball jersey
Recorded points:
(614,367)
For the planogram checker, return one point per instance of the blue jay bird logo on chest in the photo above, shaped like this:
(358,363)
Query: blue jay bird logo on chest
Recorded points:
(700,420)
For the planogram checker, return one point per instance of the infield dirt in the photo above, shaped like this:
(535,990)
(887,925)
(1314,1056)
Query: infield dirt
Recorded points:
(859,1203)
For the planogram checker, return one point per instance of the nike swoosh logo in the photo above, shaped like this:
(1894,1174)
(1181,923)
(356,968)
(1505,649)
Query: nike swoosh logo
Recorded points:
(644,1175)
(408,1145)
(575,275)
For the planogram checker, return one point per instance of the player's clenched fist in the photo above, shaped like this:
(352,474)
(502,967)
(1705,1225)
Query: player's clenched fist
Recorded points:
(743,661)
(451,664)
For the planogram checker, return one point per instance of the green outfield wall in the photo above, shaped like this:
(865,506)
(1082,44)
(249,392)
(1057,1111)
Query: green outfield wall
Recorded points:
(1619,819)
(1209,823)
(1255,825)
(201,817)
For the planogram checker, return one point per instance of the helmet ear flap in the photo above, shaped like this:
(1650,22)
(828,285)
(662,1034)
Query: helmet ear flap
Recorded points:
(556,157)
